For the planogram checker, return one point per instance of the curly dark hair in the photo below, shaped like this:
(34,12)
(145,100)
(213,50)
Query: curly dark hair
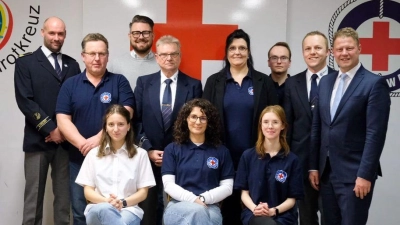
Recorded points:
(212,133)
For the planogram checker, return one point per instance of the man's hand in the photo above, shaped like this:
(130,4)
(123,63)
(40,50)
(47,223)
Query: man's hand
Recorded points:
(89,144)
(362,187)
(313,176)
(156,157)
(55,136)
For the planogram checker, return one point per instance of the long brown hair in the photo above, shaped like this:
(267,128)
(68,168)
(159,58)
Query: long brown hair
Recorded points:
(277,110)
(105,137)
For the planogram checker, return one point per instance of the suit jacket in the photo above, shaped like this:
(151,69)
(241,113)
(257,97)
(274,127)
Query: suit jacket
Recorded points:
(36,89)
(264,95)
(299,117)
(356,135)
(148,115)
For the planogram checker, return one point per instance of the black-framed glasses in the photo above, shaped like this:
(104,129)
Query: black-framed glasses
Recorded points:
(233,49)
(276,58)
(164,56)
(145,33)
(93,54)
(194,118)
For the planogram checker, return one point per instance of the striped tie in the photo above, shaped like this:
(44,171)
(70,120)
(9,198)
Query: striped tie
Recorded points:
(57,65)
(166,108)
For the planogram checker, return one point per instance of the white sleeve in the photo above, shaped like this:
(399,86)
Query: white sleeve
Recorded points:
(145,172)
(176,191)
(86,175)
(219,193)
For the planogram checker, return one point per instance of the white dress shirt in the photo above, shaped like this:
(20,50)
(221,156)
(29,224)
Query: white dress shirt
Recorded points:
(350,75)
(173,86)
(47,53)
(309,74)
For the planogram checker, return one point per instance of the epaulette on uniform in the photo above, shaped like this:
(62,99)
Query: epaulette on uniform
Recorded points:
(25,54)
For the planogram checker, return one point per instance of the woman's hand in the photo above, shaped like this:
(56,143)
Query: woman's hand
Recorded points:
(198,201)
(261,209)
(117,203)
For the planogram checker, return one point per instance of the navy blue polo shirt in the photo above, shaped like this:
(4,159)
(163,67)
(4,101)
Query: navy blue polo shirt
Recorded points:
(238,115)
(197,168)
(270,180)
(86,104)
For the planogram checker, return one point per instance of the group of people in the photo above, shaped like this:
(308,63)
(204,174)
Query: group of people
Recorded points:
(250,149)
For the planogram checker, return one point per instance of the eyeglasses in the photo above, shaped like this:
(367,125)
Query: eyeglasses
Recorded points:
(241,49)
(137,34)
(164,56)
(276,58)
(193,119)
(93,54)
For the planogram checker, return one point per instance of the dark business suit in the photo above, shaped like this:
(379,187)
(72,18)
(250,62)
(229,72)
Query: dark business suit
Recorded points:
(150,126)
(299,117)
(264,95)
(354,139)
(36,89)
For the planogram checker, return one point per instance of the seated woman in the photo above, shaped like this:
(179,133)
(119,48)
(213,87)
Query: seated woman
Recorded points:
(197,170)
(269,175)
(116,175)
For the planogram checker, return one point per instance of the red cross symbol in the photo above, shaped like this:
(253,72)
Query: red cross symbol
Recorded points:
(105,97)
(280,176)
(198,41)
(380,46)
(212,162)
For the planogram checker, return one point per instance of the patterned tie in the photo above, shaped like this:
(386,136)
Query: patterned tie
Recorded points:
(166,108)
(57,65)
(338,96)
(313,91)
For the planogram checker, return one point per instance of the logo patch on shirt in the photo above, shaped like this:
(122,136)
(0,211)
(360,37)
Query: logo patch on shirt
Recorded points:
(281,176)
(212,163)
(251,91)
(105,97)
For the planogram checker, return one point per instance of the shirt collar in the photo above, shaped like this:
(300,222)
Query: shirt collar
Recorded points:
(320,73)
(174,77)
(103,79)
(136,56)
(47,51)
(229,75)
(107,149)
(192,145)
(351,72)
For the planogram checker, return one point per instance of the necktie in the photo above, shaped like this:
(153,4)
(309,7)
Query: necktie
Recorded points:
(338,96)
(57,65)
(313,91)
(166,108)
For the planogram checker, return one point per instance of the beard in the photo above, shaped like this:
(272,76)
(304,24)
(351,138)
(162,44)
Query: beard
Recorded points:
(142,49)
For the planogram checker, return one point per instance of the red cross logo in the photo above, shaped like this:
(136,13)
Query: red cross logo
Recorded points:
(105,97)
(280,176)
(212,162)
(199,41)
(380,46)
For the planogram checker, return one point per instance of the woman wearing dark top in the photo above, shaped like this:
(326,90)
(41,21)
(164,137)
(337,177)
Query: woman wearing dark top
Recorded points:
(269,175)
(240,93)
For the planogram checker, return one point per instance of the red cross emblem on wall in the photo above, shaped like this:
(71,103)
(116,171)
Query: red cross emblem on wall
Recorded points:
(198,41)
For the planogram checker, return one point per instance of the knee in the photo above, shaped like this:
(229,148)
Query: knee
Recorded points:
(185,213)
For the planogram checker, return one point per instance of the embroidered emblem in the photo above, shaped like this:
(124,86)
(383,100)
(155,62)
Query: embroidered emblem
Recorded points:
(251,91)
(105,97)
(281,176)
(36,115)
(212,162)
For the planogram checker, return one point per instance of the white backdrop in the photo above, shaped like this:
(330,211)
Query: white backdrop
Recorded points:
(266,21)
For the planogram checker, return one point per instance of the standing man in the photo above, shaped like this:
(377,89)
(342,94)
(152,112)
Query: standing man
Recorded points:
(279,58)
(141,60)
(348,134)
(299,102)
(38,77)
(81,104)
(159,97)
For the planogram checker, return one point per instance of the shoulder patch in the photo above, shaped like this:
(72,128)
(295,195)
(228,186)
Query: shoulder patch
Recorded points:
(25,54)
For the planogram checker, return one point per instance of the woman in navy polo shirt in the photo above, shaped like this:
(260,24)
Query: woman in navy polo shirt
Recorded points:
(116,175)
(269,175)
(197,170)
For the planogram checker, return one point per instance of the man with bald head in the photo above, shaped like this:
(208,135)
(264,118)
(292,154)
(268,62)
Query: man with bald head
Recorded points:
(37,78)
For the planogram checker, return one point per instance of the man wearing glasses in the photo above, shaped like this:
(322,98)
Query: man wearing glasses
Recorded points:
(140,60)
(81,104)
(279,56)
(159,97)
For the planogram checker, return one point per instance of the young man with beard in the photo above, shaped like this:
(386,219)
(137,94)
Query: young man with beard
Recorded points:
(140,60)
(279,58)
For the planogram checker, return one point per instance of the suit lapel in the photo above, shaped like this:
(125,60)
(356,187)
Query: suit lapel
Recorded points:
(44,62)
(64,66)
(154,96)
(330,82)
(257,87)
(180,96)
(301,88)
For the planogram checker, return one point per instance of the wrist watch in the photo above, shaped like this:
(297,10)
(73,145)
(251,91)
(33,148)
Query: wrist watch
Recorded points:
(124,204)
(201,197)
(276,212)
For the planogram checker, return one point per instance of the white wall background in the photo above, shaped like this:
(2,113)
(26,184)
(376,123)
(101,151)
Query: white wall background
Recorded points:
(266,21)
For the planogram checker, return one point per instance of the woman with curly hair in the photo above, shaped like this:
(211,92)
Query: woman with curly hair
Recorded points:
(269,175)
(197,170)
(116,175)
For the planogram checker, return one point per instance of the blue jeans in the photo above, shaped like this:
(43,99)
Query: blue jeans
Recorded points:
(190,213)
(105,213)
(78,200)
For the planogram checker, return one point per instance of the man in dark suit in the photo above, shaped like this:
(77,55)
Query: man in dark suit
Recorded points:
(348,134)
(38,78)
(298,103)
(159,97)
